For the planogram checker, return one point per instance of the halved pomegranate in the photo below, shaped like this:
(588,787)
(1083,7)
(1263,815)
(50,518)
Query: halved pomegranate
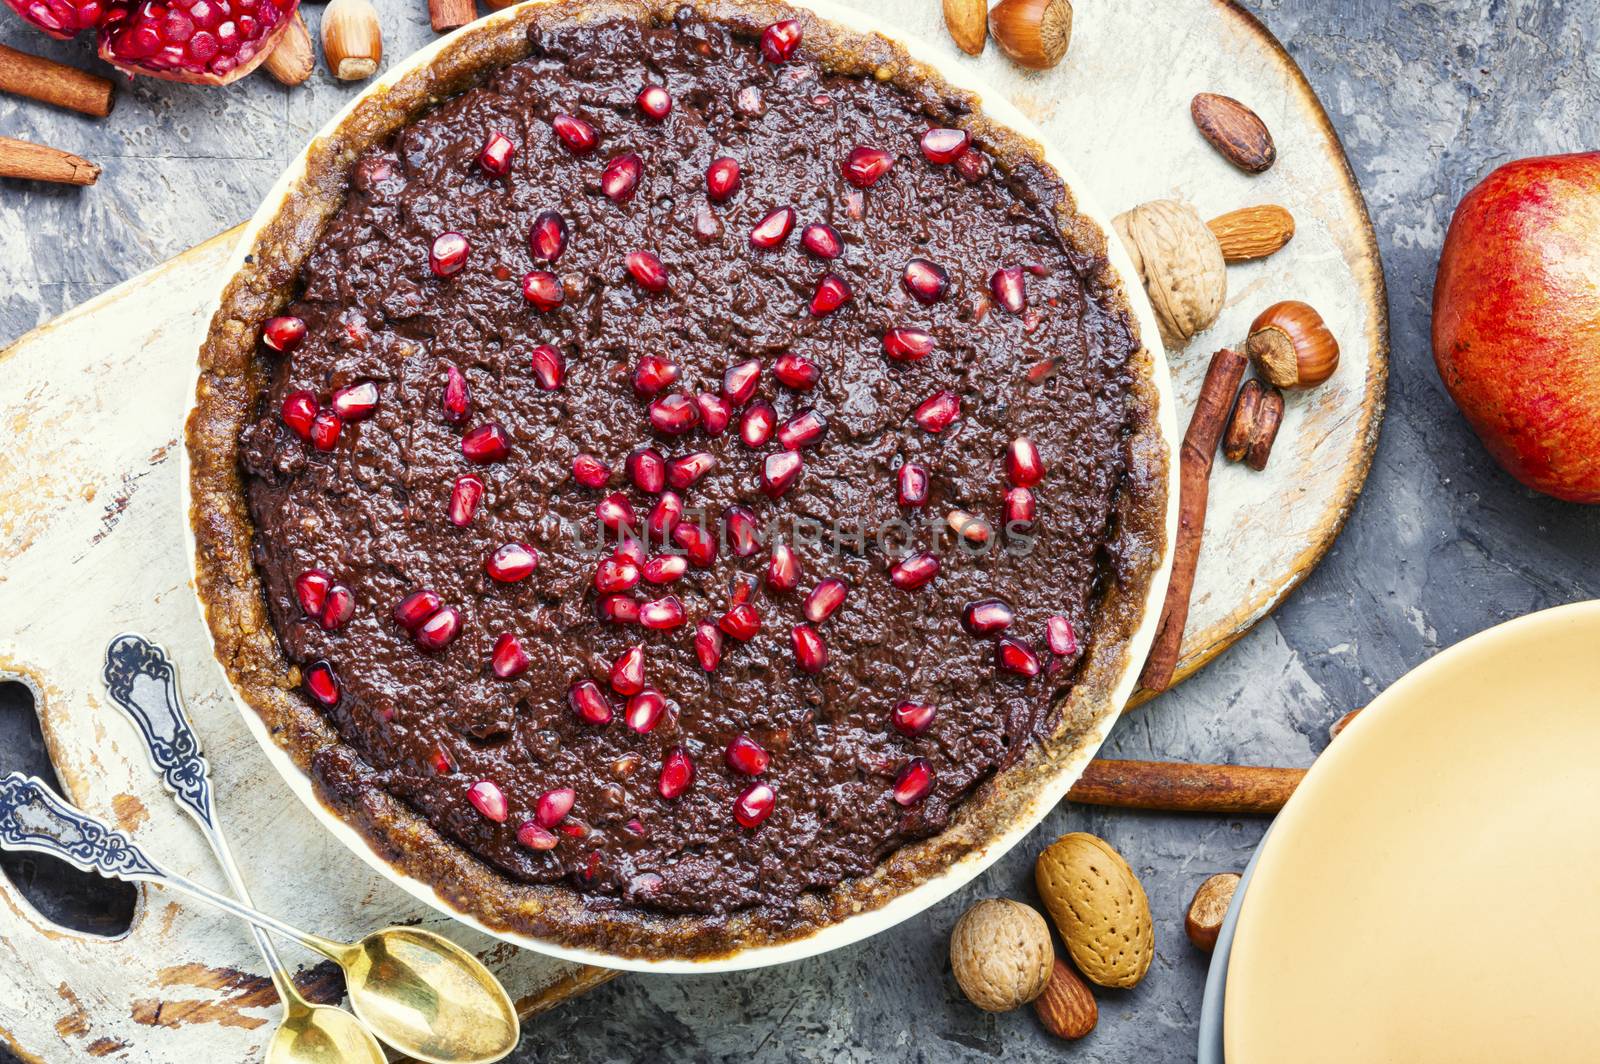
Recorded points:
(208,42)
(62,19)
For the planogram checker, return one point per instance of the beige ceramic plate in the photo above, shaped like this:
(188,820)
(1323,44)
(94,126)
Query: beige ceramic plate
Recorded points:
(1432,891)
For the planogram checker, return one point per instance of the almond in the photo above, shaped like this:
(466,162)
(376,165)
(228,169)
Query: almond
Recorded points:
(1099,907)
(1252,232)
(1234,130)
(1067,1007)
(1208,908)
(968,23)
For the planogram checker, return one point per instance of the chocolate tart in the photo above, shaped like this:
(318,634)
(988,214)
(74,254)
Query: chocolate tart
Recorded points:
(475,336)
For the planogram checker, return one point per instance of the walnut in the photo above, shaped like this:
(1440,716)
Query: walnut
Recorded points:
(1001,954)
(1180,263)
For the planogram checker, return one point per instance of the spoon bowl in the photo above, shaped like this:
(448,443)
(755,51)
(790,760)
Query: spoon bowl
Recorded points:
(322,1034)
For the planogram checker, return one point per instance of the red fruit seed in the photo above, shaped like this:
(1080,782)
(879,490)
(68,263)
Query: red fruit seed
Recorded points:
(754,805)
(618,609)
(912,487)
(722,178)
(739,381)
(644,710)
(936,412)
(912,718)
(796,371)
(440,630)
(512,562)
(547,237)
(742,622)
(488,799)
(745,756)
(535,837)
(744,535)
(944,145)
(674,413)
(864,166)
(914,781)
(485,444)
(832,293)
(575,133)
(590,471)
(715,413)
(821,240)
(549,367)
(543,289)
(283,333)
(311,591)
(783,572)
(827,596)
(1014,656)
(779,40)
(708,645)
(464,499)
(810,652)
(325,430)
(355,402)
(627,672)
(495,156)
(509,659)
(322,685)
(986,616)
(299,412)
(662,614)
(677,773)
(646,269)
(457,400)
(613,575)
(621,177)
(416,608)
(773,229)
(697,543)
(926,280)
(911,572)
(655,101)
(1020,508)
(779,472)
(802,430)
(448,254)
(615,512)
(665,568)
(757,424)
(1024,467)
(907,344)
(1008,289)
(664,516)
(589,702)
(653,374)
(1059,634)
(338,608)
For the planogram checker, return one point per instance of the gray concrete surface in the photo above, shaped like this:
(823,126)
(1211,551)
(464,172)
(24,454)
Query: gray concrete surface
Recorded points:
(1428,97)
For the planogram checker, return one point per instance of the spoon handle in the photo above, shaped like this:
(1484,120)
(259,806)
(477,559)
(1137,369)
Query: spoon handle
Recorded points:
(36,819)
(142,682)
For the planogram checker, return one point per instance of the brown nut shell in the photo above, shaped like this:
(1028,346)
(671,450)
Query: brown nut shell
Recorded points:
(1067,1008)
(1032,33)
(1100,908)
(1179,263)
(1206,911)
(1264,430)
(1234,130)
(1001,955)
(1291,345)
(1236,438)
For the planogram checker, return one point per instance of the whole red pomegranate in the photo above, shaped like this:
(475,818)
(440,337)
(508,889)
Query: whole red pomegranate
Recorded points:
(204,42)
(1516,320)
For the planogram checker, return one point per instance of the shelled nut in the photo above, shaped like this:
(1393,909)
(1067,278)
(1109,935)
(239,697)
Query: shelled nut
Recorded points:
(968,23)
(1257,415)
(1067,1008)
(1234,130)
(1252,232)
(1291,345)
(352,41)
(291,60)
(1208,908)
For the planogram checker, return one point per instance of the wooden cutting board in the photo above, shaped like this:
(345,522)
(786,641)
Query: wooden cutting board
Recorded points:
(91,543)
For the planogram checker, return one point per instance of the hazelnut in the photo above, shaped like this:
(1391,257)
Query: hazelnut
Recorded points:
(1257,415)
(1291,346)
(1032,33)
(352,42)
(1001,955)
(1203,921)
(1180,265)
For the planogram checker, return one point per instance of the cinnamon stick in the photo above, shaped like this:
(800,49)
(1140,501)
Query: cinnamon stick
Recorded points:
(447,15)
(54,83)
(35,162)
(1185,788)
(1194,484)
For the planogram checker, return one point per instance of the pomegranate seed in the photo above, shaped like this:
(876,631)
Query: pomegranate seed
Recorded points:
(495,156)
(589,702)
(543,289)
(627,672)
(440,762)
(708,645)
(912,489)
(907,344)
(339,607)
(457,400)
(1009,291)
(864,166)
(615,574)
(665,568)
(783,572)
(283,333)
(773,229)
(914,781)
(970,528)
(674,413)
(448,254)
(300,412)
(655,101)
(742,588)
(464,499)
(1024,467)
(416,608)
(618,609)
(590,471)
(744,535)
(796,371)
(614,512)
(754,805)
(826,597)
(1015,656)
(621,177)
(485,444)
(488,799)
(699,545)
(911,572)
(311,591)
(757,424)
(911,718)
(810,652)
(322,684)
(664,516)
(742,622)
(677,773)
(355,402)
(653,374)
(440,630)
(715,413)
(739,381)
(547,237)
(575,133)
(944,145)
(509,659)
(1059,634)
(535,837)
(644,267)
(722,178)
(645,469)
(549,367)
(1020,509)
(986,616)
(325,430)
(644,710)
(746,756)
(832,293)
(926,280)
(663,613)
(973,166)
(512,562)
(779,40)
(630,549)
(779,472)
(821,240)
(937,411)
